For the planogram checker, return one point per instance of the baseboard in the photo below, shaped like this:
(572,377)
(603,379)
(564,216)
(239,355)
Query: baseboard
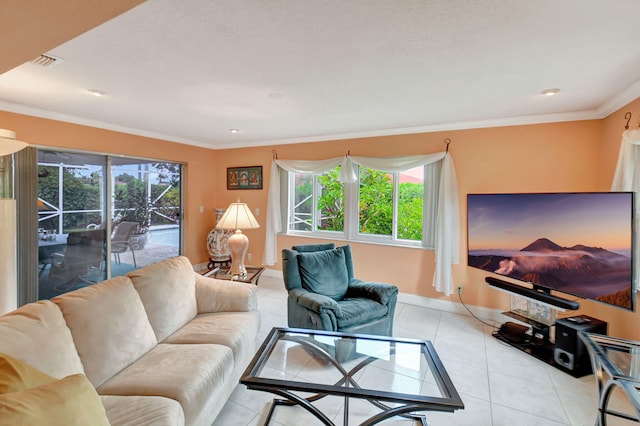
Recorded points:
(273,273)
(488,314)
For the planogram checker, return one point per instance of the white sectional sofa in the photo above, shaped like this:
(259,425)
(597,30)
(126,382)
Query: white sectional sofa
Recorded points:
(161,346)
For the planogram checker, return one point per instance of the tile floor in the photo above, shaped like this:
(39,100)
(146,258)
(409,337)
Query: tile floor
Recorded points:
(500,385)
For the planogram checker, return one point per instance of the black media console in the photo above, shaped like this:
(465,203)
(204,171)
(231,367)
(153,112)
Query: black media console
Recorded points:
(566,352)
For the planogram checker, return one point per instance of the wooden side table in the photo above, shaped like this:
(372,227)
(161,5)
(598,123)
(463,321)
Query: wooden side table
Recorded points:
(213,263)
(222,273)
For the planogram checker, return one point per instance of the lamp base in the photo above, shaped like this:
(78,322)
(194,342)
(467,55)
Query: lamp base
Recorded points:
(238,245)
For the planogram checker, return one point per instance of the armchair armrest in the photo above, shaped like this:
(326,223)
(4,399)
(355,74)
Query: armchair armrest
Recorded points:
(214,295)
(314,301)
(380,292)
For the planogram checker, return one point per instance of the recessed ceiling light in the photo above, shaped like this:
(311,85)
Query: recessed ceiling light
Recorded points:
(550,92)
(276,95)
(234,130)
(97,92)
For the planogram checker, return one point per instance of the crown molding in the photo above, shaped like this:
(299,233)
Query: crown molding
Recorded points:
(67,118)
(621,99)
(626,96)
(465,125)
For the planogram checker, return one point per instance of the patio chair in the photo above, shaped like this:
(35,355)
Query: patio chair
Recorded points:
(83,252)
(121,240)
(324,295)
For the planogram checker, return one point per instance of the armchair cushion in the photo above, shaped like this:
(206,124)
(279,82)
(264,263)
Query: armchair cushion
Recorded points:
(379,292)
(313,247)
(324,272)
(360,311)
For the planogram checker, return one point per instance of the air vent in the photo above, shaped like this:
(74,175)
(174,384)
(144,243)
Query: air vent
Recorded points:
(47,60)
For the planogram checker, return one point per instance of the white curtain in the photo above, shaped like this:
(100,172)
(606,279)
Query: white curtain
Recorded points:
(447,245)
(627,178)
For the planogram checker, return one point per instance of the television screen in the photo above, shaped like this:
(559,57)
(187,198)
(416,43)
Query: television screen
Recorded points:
(576,243)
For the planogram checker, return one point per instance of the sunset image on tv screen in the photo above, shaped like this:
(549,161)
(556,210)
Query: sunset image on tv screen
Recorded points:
(576,243)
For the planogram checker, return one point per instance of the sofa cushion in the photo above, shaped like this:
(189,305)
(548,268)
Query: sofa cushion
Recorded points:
(142,410)
(37,334)
(167,290)
(68,401)
(324,272)
(193,375)
(214,295)
(109,326)
(16,376)
(236,330)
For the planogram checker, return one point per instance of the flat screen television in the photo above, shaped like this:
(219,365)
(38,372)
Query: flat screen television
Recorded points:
(580,244)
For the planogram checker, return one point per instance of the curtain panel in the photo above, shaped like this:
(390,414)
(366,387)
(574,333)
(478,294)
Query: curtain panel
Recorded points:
(627,178)
(447,232)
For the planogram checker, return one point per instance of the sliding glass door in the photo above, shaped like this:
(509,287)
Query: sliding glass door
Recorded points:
(102,216)
(145,213)
(71,200)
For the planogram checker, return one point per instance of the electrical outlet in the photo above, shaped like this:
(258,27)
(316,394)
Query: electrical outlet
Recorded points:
(460,289)
(249,257)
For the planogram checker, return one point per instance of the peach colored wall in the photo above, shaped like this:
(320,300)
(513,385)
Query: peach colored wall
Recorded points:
(533,158)
(573,156)
(199,182)
(621,323)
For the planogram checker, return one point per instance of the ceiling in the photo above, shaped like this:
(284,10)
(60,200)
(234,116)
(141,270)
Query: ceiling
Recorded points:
(287,71)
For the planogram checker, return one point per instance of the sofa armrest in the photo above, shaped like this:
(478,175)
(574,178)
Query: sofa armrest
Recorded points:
(314,301)
(380,292)
(214,295)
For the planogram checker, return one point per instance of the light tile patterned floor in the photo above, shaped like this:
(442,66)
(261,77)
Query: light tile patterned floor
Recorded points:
(500,385)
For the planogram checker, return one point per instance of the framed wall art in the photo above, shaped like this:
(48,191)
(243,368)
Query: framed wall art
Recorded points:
(244,177)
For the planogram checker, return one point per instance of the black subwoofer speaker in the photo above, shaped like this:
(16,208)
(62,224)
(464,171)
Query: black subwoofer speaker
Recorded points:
(569,353)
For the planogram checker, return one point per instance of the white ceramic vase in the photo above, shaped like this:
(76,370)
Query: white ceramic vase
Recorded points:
(218,241)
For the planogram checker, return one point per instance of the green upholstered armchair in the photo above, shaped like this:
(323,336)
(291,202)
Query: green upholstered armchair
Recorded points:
(324,295)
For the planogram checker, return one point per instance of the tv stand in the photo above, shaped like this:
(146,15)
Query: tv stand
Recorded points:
(536,339)
(564,351)
(536,343)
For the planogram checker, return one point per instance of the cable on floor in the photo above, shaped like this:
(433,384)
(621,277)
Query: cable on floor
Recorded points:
(474,315)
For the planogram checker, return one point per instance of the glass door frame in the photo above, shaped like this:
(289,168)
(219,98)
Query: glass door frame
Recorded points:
(107,198)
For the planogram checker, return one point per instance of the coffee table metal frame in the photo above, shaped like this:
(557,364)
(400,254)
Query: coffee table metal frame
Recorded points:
(609,374)
(347,385)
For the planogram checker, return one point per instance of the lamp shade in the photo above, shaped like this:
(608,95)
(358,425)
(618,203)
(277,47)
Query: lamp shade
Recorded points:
(8,142)
(238,216)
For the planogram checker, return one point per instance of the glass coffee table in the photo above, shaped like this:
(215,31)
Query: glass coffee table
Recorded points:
(397,376)
(616,363)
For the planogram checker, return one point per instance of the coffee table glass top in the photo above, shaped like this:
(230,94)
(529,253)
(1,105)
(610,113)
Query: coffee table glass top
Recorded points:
(360,366)
(620,357)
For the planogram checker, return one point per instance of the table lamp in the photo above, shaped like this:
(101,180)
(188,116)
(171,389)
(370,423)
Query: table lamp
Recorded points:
(238,217)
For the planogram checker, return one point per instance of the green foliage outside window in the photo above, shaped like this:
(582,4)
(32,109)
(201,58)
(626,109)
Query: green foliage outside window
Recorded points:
(130,201)
(331,202)
(410,208)
(375,204)
(79,192)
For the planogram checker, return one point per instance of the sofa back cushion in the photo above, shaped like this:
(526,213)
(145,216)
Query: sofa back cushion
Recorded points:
(168,292)
(37,334)
(109,325)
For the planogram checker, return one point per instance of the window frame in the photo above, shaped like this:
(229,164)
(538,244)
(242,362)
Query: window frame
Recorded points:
(351,231)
